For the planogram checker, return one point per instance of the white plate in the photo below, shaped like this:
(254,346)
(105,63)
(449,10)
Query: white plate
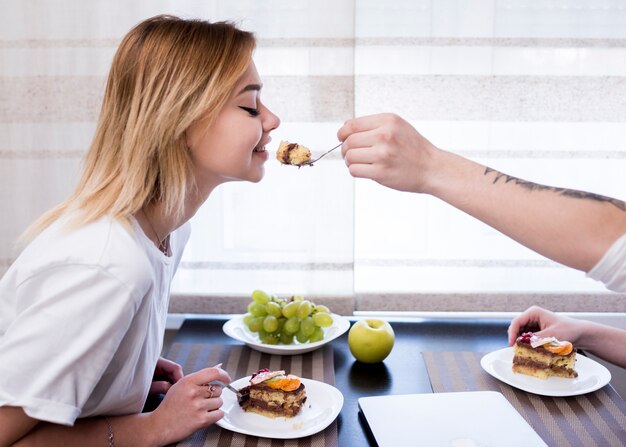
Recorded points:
(323,404)
(235,328)
(591,376)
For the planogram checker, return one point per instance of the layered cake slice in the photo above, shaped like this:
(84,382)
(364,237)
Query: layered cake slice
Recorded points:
(293,154)
(544,357)
(273,394)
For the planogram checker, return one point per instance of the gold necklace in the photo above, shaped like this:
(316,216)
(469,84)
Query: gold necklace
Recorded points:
(163,246)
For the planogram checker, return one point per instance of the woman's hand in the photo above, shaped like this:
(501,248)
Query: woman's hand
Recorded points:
(546,324)
(166,374)
(190,405)
(388,150)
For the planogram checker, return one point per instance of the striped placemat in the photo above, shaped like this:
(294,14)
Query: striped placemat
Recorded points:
(593,419)
(240,361)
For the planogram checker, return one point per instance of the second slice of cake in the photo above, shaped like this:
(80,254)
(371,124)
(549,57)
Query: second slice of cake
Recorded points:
(544,357)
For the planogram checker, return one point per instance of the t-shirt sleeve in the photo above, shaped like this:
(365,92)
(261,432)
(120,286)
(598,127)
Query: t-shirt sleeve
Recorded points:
(611,269)
(70,321)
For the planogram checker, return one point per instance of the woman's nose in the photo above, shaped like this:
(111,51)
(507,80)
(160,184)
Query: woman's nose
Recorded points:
(270,121)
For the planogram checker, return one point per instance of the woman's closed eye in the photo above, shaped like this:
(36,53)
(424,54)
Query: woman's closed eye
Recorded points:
(250,110)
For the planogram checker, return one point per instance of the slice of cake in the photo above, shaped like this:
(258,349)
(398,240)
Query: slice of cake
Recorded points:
(273,394)
(544,357)
(293,154)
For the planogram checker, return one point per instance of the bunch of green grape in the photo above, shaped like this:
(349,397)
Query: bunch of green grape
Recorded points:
(285,321)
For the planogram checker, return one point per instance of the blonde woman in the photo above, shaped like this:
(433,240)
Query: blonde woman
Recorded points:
(83,308)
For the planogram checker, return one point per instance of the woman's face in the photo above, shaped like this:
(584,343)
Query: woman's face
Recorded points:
(233,147)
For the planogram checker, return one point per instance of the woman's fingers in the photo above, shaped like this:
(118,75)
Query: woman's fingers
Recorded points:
(212,391)
(214,416)
(207,375)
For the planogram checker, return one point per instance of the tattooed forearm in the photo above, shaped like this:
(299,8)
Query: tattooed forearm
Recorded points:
(498,176)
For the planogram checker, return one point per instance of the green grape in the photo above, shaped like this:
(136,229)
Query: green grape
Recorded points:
(256,324)
(280,320)
(281,324)
(290,309)
(273,309)
(270,323)
(307,326)
(256,309)
(318,335)
(292,325)
(301,337)
(258,296)
(285,338)
(321,308)
(268,339)
(304,309)
(322,319)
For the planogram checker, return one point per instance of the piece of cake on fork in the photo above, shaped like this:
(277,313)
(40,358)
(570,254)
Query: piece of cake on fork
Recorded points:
(293,154)
(544,357)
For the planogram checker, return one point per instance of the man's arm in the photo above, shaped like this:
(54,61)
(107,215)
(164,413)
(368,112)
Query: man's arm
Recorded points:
(574,228)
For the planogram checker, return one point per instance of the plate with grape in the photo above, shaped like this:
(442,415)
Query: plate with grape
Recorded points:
(285,326)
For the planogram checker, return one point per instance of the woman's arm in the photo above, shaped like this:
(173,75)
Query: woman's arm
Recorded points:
(571,227)
(132,430)
(188,406)
(14,424)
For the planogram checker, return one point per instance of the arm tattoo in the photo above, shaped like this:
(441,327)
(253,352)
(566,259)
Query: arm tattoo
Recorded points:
(562,191)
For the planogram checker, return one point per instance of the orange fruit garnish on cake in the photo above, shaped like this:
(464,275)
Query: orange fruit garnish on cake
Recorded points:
(288,383)
(560,348)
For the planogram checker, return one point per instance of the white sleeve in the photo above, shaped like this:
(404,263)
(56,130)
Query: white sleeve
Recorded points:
(70,321)
(611,269)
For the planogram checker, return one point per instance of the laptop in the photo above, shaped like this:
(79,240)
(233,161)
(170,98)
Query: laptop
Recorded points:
(464,419)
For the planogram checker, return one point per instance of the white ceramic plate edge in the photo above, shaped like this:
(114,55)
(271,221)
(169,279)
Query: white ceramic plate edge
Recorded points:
(584,366)
(314,387)
(340,324)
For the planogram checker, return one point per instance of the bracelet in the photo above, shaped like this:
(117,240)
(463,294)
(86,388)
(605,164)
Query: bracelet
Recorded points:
(111,441)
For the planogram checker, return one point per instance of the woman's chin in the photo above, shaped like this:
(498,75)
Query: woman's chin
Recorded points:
(256,174)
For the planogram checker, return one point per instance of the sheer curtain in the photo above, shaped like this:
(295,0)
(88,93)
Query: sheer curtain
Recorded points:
(532,88)
(535,89)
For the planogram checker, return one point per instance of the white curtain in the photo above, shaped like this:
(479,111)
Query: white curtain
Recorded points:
(533,88)
(536,89)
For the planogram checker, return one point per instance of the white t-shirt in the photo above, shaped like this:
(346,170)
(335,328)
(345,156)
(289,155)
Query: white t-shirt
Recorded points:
(611,269)
(82,319)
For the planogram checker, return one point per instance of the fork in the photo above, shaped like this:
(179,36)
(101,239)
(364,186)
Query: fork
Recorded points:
(310,163)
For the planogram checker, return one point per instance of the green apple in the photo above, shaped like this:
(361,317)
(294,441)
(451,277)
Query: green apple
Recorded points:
(371,340)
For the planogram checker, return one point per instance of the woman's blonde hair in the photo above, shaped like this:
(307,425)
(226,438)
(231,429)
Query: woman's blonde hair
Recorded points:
(166,74)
